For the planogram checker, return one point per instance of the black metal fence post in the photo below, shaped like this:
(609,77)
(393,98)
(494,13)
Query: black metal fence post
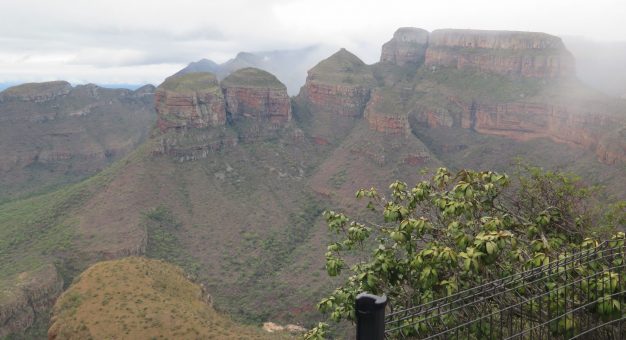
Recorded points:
(370,316)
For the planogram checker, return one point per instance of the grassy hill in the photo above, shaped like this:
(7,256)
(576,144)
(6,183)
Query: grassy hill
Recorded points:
(139,298)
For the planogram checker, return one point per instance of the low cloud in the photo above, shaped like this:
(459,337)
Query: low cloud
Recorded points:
(145,41)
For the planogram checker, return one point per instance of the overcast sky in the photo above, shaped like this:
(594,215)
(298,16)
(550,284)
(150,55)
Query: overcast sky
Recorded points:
(137,41)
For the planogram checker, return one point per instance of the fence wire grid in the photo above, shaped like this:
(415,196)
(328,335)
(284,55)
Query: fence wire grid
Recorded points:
(579,296)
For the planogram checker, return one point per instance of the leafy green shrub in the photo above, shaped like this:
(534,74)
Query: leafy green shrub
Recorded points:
(456,231)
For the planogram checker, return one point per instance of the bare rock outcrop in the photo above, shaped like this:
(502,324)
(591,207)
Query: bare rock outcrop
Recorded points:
(576,124)
(525,54)
(193,100)
(340,85)
(560,123)
(256,94)
(197,113)
(407,47)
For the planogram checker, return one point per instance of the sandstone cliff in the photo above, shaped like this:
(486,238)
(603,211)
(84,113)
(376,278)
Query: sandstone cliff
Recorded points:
(338,85)
(256,94)
(560,123)
(579,121)
(198,115)
(525,54)
(519,85)
(193,100)
(407,47)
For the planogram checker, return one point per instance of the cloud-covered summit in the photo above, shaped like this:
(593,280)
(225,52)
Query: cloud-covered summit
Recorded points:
(139,41)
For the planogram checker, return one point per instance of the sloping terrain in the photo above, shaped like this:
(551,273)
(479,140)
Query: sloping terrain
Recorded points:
(237,202)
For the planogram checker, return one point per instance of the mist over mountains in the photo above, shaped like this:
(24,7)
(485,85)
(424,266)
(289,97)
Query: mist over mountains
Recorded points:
(290,66)
(599,64)
(225,169)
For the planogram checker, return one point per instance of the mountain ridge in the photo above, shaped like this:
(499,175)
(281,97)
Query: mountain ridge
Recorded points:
(238,203)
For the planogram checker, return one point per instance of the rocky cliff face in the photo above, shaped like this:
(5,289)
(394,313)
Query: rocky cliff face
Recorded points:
(197,113)
(505,92)
(562,124)
(33,293)
(525,54)
(54,133)
(256,94)
(575,124)
(338,85)
(193,100)
(407,47)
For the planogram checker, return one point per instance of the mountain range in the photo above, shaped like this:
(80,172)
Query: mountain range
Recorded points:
(228,175)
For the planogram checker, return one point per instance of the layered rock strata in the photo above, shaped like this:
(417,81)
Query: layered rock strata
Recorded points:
(196,112)
(193,100)
(525,120)
(71,132)
(562,124)
(256,94)
(581,120)
(339,85)
(525,54)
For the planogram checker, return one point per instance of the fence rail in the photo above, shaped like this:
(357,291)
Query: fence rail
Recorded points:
(579,296)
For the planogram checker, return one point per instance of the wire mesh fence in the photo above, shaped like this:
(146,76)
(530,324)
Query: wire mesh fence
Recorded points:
(578,296)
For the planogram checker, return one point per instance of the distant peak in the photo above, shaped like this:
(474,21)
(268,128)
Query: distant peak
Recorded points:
(146,89)
(204,61)
(342,67)
(244,55)
(38,92)
(344,54)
